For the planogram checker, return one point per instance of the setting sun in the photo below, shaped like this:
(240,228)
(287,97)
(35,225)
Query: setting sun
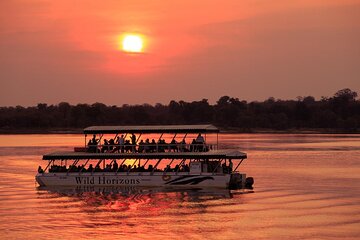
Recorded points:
(132,43)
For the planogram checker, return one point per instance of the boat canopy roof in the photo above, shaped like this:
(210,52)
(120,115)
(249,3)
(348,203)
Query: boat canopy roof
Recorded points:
(152,129)
(225,154)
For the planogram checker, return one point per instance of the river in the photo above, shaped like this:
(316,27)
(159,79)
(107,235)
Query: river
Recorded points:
(307,186)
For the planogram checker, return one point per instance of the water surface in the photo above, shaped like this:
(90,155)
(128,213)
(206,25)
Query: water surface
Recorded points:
(306,187)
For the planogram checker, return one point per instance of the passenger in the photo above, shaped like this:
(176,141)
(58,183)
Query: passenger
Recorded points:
(107,168)
(183,147)
(111,144)
(224,168)
(193,146)
(153,146)
(97,168)
(90,169)
(186,168)
(200,139)
(121,143)
(200,143)
(40,170)
(163,145)
(150,168)
(147,145)
(177,168)
(115,166)
(173,145)
(94,143)
(133,142)
(141,168)
(116,147)
(167,168)
(105,147)
(127,146)
(159,146)
(90,147)
(230,166)
(81,168)
(141,146)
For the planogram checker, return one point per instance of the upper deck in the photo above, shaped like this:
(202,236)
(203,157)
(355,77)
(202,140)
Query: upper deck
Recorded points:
(151,138)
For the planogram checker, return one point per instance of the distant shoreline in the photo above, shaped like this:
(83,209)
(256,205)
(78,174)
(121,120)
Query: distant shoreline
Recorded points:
(222,130)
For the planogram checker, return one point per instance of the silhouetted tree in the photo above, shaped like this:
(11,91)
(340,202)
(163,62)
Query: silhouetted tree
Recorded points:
(342,112)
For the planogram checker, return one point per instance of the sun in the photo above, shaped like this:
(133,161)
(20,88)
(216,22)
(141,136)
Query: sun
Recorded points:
(132,43)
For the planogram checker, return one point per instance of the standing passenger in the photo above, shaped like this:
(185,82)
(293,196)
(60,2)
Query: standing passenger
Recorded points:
(133,142)
(121,143)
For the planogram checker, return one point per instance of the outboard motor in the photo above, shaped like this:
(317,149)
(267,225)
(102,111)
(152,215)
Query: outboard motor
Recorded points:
(249,181)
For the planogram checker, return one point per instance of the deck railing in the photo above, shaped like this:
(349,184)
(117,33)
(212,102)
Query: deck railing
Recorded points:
(148,148)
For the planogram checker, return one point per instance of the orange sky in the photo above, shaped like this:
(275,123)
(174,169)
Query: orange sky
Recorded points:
(53,51)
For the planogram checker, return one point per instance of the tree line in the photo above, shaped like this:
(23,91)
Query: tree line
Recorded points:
(340,112)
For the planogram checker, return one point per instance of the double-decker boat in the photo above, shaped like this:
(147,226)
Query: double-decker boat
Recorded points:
(129,158)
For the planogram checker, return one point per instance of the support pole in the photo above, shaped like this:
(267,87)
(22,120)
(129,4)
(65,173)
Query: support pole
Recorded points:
(169,166)
(49,164)
(131,166)
(71,166)
(156,166)
(217,166)
(84,166)
(238,164)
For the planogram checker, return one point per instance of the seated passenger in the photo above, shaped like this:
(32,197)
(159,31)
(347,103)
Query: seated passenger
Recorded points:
(127,146)
(94,143)
(162,145)
(173,145)
(40,170)
(141,146)
(97,168)
(115,166)
(111,144)
(153,146)
(105,147)
(183,147)
(147,146)
(200,143)
(193,146)
(90,169)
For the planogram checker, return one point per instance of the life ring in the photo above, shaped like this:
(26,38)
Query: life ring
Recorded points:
(166,177)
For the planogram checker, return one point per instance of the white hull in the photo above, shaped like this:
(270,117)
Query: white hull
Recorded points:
(144,179)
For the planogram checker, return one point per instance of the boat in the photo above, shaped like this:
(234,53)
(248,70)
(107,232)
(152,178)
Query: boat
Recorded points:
(130,159)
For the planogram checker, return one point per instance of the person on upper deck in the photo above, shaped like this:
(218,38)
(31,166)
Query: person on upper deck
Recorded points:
(183,147)
(133,142)
(105,147)
(153,146)
(200,143)
(200,139)
(141,146)
(147,145)
(193,147)
(121,143)
(111,144)
(174,145)
(94,143)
